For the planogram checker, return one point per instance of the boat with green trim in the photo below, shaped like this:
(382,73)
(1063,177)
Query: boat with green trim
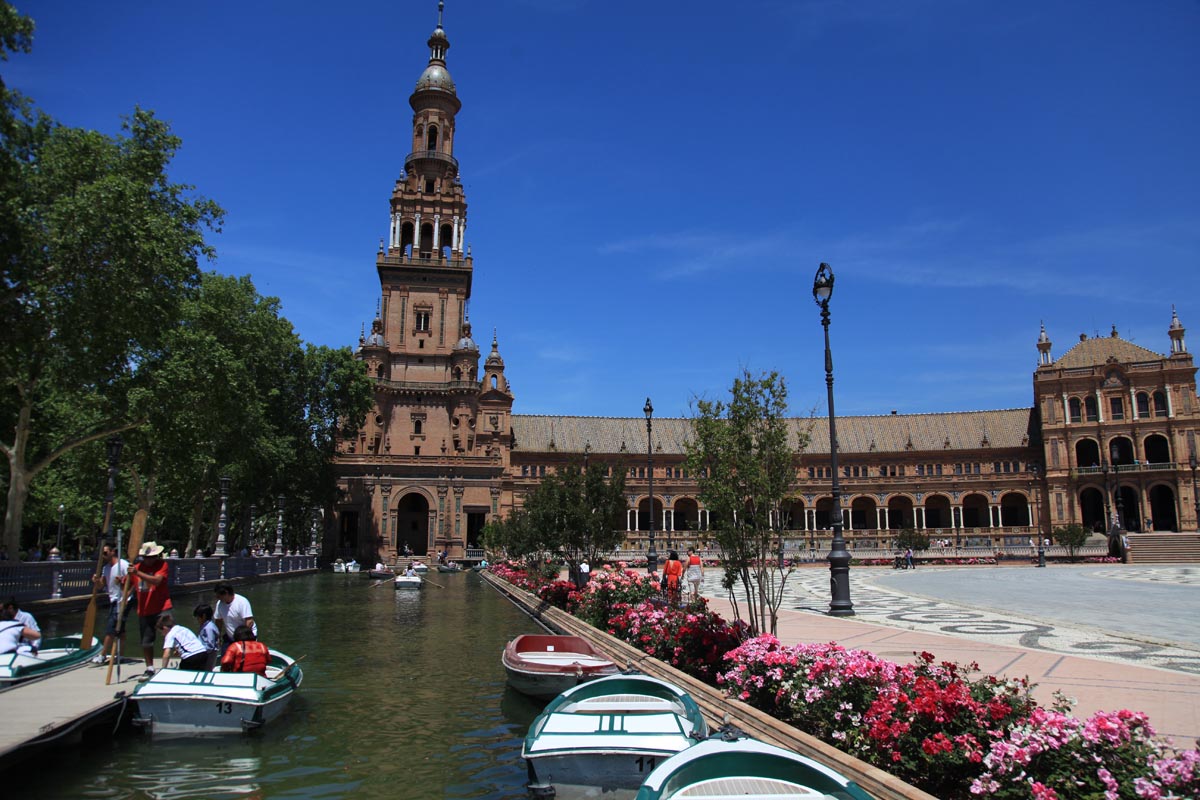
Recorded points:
(608,734)
(54,656)
(733,766)
(178,702)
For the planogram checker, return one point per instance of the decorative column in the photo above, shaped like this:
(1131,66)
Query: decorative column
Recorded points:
(223,518)
(279,530)
(313,548)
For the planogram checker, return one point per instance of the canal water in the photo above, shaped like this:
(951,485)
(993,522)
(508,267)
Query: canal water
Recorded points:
(403,697)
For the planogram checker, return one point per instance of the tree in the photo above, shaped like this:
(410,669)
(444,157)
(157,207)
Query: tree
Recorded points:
(1071,537)
(576,514)
(910,537)
(97,250)
(741,454)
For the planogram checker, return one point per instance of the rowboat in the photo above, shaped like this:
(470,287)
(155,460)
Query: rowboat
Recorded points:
(448,568)
(353,566)
(177,702)
(747,769)
(608,734)
(339,566)
(406,582)
(380,574)
(545,666)
(55,655)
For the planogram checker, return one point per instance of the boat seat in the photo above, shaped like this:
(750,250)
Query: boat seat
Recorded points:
(625,704)
(740,787)
(563,657)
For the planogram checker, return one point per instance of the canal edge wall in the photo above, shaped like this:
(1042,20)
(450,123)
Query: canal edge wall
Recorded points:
(717,708)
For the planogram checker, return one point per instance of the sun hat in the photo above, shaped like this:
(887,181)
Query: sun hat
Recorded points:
(151,549)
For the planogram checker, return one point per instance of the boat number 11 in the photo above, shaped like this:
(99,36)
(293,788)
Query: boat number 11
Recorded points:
(227,708)
(645,764)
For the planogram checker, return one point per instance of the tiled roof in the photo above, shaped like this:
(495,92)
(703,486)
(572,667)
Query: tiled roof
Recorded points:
(892,433)
(1098,349)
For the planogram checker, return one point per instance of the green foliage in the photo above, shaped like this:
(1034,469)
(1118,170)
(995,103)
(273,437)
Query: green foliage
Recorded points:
(740,451)
(1070,536)
(908,537)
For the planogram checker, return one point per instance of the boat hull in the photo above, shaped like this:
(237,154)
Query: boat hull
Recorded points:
(381,574)
(744,768)
(546,666)
(56,655)
(185,703)
(407,583)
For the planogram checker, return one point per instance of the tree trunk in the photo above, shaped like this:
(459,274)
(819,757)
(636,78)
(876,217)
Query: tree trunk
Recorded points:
(18,480)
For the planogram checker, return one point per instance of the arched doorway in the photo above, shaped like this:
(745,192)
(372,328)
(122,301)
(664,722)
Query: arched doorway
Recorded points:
(975,512)
(1091,510)
(1157,449)
(1162,509)
(412,523)
(862,514)
(1121,451)
(823,511)
(937,512)
(1087,453)
(900,513)
(793,516)
(1130,508)
(644,514)
(1014,510)
(687,514)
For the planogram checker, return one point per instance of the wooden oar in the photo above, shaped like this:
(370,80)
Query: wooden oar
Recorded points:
(89,617)
(429,581)
(136,534)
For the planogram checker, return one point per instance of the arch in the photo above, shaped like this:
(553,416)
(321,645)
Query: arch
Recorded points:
(643,514)
(823,511)
(1157,449)
(431,138)
(937,511)
(1087,453)
(1160,403)
(1075,409)
(975,511)
(426,239)
(406,237)
(379,371)
(900,512)
(863,516)
(1162,508)
(1089,408)
(687,514)
(1143,405)
(1014,510)
(1130,508)
(1120,451)
(457,372)
(418,426)
(412,522)
(1091,509)
(445,240)
(794,518)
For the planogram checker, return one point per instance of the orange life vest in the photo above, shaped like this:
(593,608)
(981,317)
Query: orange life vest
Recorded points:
(246,657)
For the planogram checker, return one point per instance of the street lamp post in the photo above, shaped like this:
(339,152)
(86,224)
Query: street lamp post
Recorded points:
(115,443)
(223,518)
(62,510)
(251,536)
(279,530)
(839,558)
(652,553)
(312,544)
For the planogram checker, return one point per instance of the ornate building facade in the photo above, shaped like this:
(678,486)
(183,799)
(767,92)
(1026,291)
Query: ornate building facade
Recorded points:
(1111,433)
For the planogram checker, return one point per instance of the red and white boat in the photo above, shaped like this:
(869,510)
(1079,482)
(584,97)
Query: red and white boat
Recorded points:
(545,666)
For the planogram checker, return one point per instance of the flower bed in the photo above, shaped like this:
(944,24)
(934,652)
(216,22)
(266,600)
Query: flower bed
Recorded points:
(936,725)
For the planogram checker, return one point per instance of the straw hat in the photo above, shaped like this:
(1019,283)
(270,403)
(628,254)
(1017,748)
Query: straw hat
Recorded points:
(151,549)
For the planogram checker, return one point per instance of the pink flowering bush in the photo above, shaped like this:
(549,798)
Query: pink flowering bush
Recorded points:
(926,723)
(609,587)
(559,594)
(1110,755)
(692,639)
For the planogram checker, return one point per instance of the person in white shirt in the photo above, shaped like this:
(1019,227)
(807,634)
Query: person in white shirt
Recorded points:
(113,581)
(28,644)
(193,655)
(12,632)
(232,610)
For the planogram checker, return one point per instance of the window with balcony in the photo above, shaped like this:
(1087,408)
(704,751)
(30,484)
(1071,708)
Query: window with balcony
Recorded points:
(1143,405)
(1116,405)
(421,320)
(1160,404)
(1090,409)
(1075,409)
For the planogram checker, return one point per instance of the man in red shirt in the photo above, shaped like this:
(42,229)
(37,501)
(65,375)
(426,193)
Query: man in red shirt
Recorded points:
(150,575)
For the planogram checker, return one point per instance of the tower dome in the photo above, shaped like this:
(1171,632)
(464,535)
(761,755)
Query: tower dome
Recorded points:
(436,77)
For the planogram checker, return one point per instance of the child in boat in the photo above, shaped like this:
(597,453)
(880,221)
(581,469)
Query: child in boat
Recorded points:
(193,655)
(246,654)
(208,634)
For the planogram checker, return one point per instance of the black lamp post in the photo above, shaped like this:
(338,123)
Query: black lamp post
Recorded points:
(1195,497)
(62,510)
(223,518)
(115,443)
(839,558)
(652,553)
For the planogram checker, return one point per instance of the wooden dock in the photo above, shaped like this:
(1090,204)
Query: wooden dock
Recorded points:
(53,710)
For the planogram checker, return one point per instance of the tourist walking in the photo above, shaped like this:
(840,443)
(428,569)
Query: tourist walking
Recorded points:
(150,574)
(673,572)
(113,579)
(585,573)
(193,655)
(908,559)
(232,610)
(695,573)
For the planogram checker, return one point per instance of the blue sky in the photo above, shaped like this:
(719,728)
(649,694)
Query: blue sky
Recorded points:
(653,185)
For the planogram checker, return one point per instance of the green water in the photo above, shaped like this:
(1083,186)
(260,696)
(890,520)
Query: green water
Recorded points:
(403,697)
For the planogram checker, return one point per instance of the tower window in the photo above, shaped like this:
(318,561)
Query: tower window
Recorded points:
(429,186)
(1076,412)
(422,321)
(1117,406)
(1160,404)
(432,140)
(1143,405)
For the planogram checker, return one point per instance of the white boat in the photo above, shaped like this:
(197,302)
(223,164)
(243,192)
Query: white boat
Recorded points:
(353,566)
(407,582)
(339,566)
(541,665)
(56,655)
(177,702)
(607,735)
(728,767)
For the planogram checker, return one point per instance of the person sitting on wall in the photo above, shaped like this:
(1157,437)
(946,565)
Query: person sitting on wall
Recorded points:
(246,654)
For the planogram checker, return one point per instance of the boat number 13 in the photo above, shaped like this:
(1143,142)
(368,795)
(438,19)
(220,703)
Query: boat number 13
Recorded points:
(645,764)
(227,708)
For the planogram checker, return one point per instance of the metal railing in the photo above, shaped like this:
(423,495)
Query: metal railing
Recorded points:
(434,155)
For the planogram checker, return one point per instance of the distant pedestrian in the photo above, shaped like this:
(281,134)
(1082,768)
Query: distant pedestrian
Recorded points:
(908,559)
(695,573)
(585,573)
(673,573)
(232,611)
(151,574)
(113,579)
